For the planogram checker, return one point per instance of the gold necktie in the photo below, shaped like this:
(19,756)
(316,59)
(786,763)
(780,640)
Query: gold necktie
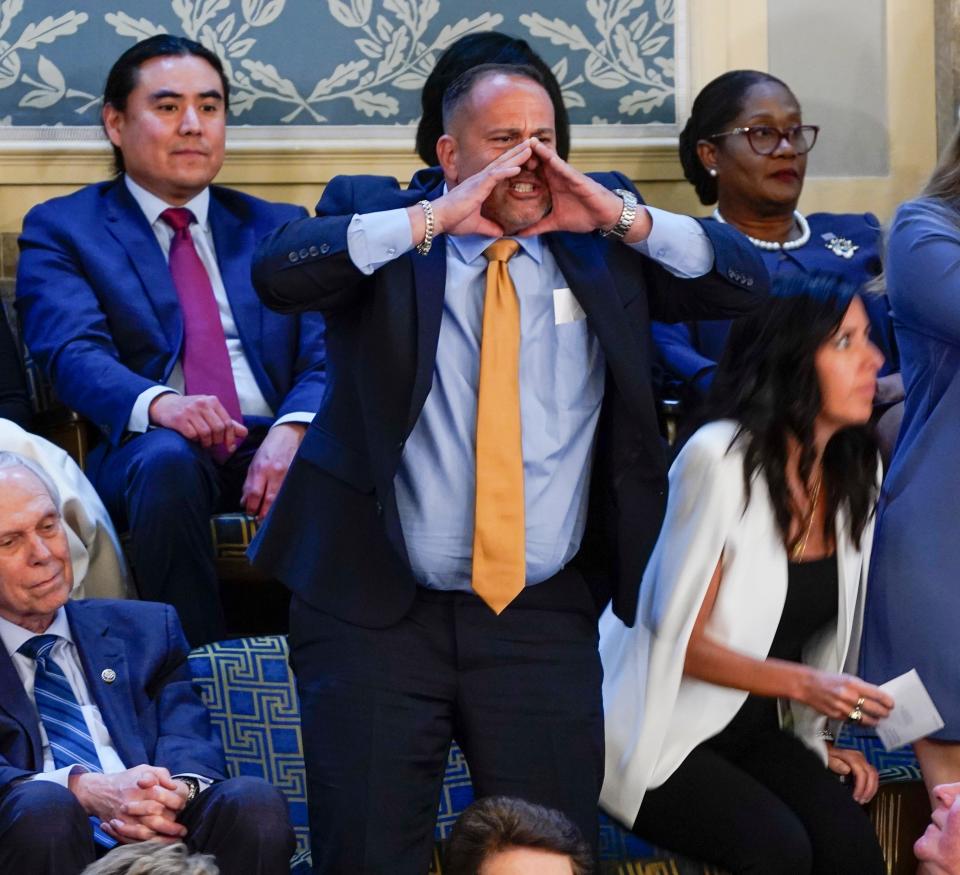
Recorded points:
(499,563)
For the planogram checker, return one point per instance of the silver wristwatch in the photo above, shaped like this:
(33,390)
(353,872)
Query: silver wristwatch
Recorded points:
(627,216)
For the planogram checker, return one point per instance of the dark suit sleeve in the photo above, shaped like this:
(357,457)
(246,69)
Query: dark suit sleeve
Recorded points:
(14,403)
(734,286)
(305,265)
(310,364)
(185,742)
(67,331)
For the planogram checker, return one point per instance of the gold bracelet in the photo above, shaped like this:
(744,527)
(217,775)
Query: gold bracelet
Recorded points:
(423,247)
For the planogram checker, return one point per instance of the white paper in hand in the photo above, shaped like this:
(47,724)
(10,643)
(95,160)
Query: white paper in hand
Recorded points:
(915,716)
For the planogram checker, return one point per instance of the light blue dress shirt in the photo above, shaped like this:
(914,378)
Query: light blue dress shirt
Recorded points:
(562,372)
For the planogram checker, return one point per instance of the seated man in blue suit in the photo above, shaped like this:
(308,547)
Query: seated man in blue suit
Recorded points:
(485,471)
(103,737)
(136,300)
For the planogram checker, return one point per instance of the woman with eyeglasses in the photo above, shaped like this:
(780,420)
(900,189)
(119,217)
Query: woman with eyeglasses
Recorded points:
(718,701)
(745,149)
(913,609)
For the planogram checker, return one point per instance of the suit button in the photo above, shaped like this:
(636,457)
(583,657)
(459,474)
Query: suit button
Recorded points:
(324,248)
(749,281)
(314,251)
(379,509)
(293,257)
(304,253)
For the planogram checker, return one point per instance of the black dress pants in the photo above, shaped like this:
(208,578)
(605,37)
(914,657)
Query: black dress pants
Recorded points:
(520,692)
(163,489)
(767,807)
(243,822)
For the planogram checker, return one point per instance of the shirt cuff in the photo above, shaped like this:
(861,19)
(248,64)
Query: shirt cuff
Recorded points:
(139,420)
(678,243)
(374,239)
(299,416)
(59,776)
(202,780)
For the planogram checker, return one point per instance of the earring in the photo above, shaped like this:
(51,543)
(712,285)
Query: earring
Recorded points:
(712,171)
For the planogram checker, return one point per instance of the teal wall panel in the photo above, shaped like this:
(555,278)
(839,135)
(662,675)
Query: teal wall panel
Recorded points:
(341,62)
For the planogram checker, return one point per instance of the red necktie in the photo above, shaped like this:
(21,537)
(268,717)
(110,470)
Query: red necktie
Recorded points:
(206,360)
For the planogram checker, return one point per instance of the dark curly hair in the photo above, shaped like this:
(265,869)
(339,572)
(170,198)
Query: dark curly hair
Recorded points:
(714,109)
(767,382)
(471,51)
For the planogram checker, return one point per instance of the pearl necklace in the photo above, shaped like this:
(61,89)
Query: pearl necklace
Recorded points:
(772,245)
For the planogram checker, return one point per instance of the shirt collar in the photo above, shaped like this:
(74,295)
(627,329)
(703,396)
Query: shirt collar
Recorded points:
(13,635)
(152,205)
(470,247)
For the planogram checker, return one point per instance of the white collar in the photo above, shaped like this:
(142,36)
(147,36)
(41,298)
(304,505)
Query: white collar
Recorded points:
(152,205)
(13,635)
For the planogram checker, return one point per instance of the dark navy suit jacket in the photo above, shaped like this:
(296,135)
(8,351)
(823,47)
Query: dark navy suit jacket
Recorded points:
(101,315)
(152,710)
(689,353)
(334,533)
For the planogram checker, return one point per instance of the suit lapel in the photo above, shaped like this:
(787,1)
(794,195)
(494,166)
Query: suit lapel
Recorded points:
(430,279)
(15,703)
(128,225)
(100,650)
(234,242)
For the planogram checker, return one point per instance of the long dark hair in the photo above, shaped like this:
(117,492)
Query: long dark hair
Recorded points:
(714,109)
(767,382)
(471,51)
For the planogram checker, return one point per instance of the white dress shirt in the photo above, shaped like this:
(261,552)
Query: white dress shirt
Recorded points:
(252,402)
(65,654)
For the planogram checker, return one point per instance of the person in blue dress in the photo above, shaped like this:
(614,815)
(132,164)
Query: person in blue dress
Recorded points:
(913,604)
(745,149)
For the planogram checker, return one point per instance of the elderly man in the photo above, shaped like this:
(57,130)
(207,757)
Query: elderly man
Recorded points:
(485,471)
(136,300)
(938,849)
(103,737)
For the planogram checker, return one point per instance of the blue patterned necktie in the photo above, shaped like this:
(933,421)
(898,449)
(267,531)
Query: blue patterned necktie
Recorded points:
(62,717)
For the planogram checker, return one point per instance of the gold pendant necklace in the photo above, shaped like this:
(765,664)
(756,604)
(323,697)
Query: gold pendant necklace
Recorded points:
(801,545)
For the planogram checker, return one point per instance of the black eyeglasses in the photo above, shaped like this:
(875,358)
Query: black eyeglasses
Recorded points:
(766,139)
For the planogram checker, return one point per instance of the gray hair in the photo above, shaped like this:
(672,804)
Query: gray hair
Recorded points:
(153,858)
(13,460)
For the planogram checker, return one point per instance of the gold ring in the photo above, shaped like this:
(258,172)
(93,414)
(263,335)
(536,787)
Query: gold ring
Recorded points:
(856,715)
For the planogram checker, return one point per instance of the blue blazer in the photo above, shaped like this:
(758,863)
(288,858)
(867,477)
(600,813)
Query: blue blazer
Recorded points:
(333,535)
(688,353)
(152,710)
(101,315)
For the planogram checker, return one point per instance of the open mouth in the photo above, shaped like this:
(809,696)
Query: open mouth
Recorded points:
(524,188)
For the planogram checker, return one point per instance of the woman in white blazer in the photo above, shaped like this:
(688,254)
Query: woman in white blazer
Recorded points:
(717,700)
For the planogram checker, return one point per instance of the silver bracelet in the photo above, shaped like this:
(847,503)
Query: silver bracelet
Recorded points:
(627,215)
(423,247)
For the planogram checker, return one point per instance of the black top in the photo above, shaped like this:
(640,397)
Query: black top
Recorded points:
(811,603)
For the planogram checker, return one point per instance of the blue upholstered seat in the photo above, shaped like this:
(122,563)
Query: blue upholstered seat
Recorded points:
(248,687)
